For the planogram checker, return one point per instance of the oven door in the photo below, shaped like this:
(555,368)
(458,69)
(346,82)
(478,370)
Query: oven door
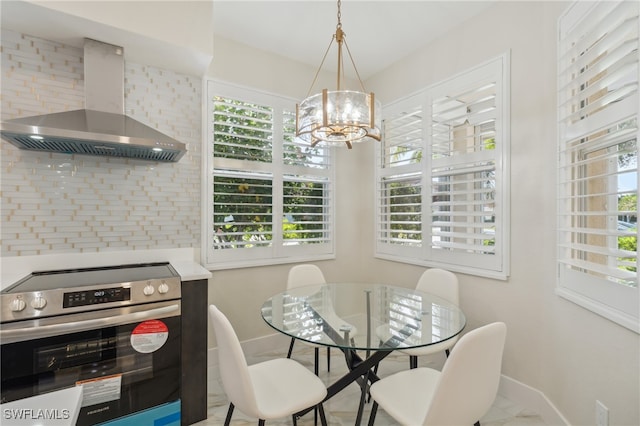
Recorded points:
(126,359)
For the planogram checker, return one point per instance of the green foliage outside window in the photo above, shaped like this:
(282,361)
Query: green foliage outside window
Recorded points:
(243,199)
(628,203)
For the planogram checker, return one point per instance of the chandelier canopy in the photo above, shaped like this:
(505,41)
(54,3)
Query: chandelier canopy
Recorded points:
(340,117)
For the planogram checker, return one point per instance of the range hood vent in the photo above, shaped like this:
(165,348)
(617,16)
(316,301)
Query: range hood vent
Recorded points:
(100,129)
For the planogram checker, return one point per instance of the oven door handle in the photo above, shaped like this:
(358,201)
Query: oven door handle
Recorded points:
(28,333)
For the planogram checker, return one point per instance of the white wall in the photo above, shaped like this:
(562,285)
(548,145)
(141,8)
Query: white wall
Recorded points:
(185,23)
(567,352)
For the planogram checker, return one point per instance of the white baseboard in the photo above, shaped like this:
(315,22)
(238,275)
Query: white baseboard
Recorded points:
(513,390)
(531,398)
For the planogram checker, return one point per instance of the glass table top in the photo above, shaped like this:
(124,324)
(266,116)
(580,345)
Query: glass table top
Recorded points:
(363,316)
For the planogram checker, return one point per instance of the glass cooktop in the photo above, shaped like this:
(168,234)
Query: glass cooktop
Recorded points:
(68,278)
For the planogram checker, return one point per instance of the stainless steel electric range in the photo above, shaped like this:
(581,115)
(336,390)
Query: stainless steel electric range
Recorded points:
(115,331)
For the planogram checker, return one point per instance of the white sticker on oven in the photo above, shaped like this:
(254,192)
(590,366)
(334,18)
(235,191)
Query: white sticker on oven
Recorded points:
(101,389)
(149,336)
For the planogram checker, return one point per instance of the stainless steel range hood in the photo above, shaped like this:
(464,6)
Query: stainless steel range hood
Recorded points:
(101,128)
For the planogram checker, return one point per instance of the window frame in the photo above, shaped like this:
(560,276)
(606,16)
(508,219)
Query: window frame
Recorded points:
(277,252)
(423,254)
(616,302)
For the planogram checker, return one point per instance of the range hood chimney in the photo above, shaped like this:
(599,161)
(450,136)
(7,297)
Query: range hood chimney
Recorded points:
(101,128)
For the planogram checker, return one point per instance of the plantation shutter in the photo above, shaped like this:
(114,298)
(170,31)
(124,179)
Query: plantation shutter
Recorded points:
(464,146)
(399,194)
(243,182)
(307,192)
(440,172)
(598,151)
(271,197)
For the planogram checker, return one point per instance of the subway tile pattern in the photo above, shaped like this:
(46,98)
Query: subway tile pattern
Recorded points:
(59,203)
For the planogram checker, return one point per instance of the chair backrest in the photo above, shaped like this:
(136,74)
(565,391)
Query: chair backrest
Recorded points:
(440,282)
(469,381)
(234,370)
(306,274)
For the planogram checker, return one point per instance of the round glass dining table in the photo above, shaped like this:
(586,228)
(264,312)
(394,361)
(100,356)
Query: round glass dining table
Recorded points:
(372,318)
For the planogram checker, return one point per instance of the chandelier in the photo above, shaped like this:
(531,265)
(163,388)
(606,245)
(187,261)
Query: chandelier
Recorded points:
(340,117)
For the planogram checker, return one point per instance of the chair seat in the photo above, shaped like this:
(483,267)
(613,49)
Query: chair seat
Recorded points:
(298,388)
(406,395)
(431,349)
(384,334)
(460,394)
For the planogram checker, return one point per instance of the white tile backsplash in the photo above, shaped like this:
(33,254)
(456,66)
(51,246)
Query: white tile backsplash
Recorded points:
(56,203)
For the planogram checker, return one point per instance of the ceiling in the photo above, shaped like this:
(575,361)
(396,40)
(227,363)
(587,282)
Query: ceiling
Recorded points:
(378,33)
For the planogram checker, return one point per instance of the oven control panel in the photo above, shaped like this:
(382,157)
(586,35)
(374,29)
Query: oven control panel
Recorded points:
(95,297)
(25,305)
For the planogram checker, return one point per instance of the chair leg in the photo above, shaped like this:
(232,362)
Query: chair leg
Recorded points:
(413,361)
(375,371)
(328,358)
(291,347)
(260,422)
(316,354)
(295,420)
(323,418)
(372,416)
(227,420)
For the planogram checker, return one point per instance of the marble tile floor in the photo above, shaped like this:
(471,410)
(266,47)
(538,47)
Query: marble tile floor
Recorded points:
(341,410)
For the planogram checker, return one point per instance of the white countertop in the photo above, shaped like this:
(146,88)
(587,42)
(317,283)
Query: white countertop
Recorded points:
(15,268)
(190,271)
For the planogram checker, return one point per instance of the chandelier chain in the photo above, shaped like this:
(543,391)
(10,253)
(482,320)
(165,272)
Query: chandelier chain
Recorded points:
(339,25)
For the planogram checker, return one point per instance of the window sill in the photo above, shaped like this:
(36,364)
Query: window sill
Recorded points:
(496,275)
(620,318)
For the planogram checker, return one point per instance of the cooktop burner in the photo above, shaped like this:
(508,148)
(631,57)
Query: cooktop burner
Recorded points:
(59,292)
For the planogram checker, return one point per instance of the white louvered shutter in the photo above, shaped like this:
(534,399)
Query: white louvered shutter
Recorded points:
(441,174)
(598,152)
(466,215)
(271,197)
(243,178)
(307,191)
(400,181)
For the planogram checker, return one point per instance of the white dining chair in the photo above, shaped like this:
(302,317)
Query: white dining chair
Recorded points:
(267,390)
(308,275)
(443,284)
(460,394)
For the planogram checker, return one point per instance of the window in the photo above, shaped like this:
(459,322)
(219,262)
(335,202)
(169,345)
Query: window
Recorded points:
(442,175)
(598,159)
(270,199)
